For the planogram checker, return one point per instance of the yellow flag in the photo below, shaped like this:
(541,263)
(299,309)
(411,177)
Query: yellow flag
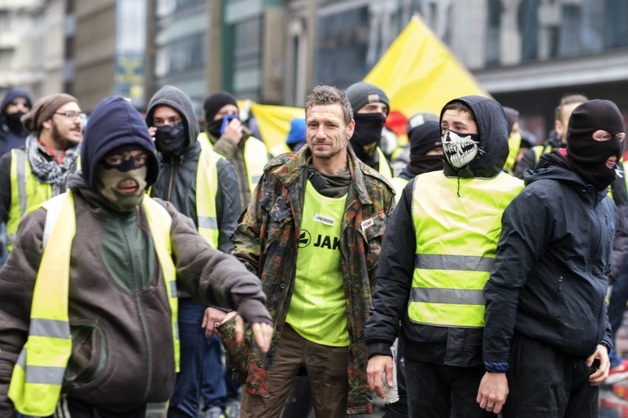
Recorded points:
(420,74)
(274,123)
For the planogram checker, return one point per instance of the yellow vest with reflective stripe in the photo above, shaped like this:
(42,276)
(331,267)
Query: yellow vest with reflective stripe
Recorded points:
(255,157)
(384,167)
(37,377)
(206,192)
(26,192)
(456,241)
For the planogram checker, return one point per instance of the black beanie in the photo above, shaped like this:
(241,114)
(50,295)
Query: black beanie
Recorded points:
(361,93)
(115,123)
(214,102)
(425,137)
(588,156)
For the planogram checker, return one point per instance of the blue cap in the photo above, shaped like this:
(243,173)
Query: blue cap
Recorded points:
(297,131)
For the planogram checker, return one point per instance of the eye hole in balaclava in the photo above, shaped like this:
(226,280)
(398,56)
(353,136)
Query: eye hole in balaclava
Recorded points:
(592,159)
(121,177)
(460,149)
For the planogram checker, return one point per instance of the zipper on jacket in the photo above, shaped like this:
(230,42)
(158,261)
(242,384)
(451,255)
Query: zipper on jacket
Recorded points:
(138,305)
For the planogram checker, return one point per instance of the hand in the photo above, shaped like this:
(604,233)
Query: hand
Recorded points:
(493,392)
(379,366)
(233,131)
(152,130)
(601,374)
(262,332)
(211,318)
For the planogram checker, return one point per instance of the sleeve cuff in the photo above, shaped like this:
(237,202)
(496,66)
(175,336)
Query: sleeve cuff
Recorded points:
(492,367)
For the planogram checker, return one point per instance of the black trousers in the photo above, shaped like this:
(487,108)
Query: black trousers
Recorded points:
(438,391)
(72,408)
(545,382)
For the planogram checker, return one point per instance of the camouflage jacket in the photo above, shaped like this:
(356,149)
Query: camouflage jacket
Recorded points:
(267,240)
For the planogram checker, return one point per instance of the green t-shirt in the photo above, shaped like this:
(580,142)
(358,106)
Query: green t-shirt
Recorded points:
(318,310)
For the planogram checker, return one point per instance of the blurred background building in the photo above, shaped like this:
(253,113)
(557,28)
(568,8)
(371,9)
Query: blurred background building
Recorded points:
(526,53)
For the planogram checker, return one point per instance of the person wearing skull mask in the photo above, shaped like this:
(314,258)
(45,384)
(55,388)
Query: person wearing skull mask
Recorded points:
(547,335)
(202,185)
(370,108)
(430,280)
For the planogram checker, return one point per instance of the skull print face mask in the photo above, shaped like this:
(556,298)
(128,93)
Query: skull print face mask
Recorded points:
(459,149)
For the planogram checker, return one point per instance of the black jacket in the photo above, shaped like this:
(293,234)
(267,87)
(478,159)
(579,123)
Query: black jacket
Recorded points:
(550,278)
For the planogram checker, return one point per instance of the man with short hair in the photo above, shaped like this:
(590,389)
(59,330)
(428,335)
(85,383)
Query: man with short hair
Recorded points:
(312,233)
(88,298)
(37,172)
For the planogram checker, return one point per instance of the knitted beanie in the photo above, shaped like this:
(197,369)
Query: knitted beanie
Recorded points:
(361,93)
(44,109)
(214,102)
(425,137)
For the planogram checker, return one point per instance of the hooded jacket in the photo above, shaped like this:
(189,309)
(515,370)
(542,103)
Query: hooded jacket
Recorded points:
(11,138)
(122,355)
(177,179)
(550,278)
(455,346)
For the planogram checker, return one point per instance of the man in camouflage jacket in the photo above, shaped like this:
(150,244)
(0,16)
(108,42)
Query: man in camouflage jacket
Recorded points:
(270,237)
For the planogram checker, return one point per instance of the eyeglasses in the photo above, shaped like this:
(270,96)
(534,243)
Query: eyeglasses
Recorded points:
(73,114)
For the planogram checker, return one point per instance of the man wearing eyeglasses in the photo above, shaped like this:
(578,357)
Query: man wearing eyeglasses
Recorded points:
(38,171)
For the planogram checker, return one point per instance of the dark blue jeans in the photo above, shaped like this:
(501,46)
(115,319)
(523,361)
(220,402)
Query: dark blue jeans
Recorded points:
(213,388)
(185,400)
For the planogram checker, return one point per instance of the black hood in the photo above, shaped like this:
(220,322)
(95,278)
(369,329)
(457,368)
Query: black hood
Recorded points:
(179,101)
(492,137)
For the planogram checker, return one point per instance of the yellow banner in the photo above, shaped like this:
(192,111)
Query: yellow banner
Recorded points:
(420,74)
(274,123)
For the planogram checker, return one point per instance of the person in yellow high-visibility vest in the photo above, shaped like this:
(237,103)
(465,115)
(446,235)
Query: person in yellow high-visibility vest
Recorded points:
(31,174)
(202,185)
(436,256)
(88,297)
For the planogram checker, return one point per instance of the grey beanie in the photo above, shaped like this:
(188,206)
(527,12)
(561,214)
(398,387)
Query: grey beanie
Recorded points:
(360,94)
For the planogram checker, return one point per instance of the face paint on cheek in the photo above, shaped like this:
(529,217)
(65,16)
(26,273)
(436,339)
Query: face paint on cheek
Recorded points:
(459,150)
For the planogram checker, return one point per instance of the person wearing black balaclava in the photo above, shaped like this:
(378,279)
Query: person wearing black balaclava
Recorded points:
(234,141)
(15,104)
(202,185)
(370,108)
(547,335)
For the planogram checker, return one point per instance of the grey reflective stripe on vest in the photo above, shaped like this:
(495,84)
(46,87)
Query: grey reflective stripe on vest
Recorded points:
(453,262)
(255,180)
(41,374)
(455,296)
(49,328)
(173,288)
(21,181)
(207,222)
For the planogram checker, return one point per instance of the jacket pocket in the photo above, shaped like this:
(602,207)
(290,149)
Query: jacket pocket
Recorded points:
(372,231)
(89,355)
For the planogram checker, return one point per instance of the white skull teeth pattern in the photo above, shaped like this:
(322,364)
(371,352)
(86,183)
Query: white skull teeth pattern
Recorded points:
(459,150)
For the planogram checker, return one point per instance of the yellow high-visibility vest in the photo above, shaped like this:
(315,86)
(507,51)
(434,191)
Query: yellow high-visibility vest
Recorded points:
(255,157)
(384,167)
(26,191)
(37,377)
(456,242)
(206,192)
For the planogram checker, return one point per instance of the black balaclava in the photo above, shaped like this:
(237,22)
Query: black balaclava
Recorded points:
(586,155)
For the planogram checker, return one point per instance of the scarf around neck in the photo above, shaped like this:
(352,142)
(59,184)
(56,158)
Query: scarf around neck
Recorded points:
(46,169)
